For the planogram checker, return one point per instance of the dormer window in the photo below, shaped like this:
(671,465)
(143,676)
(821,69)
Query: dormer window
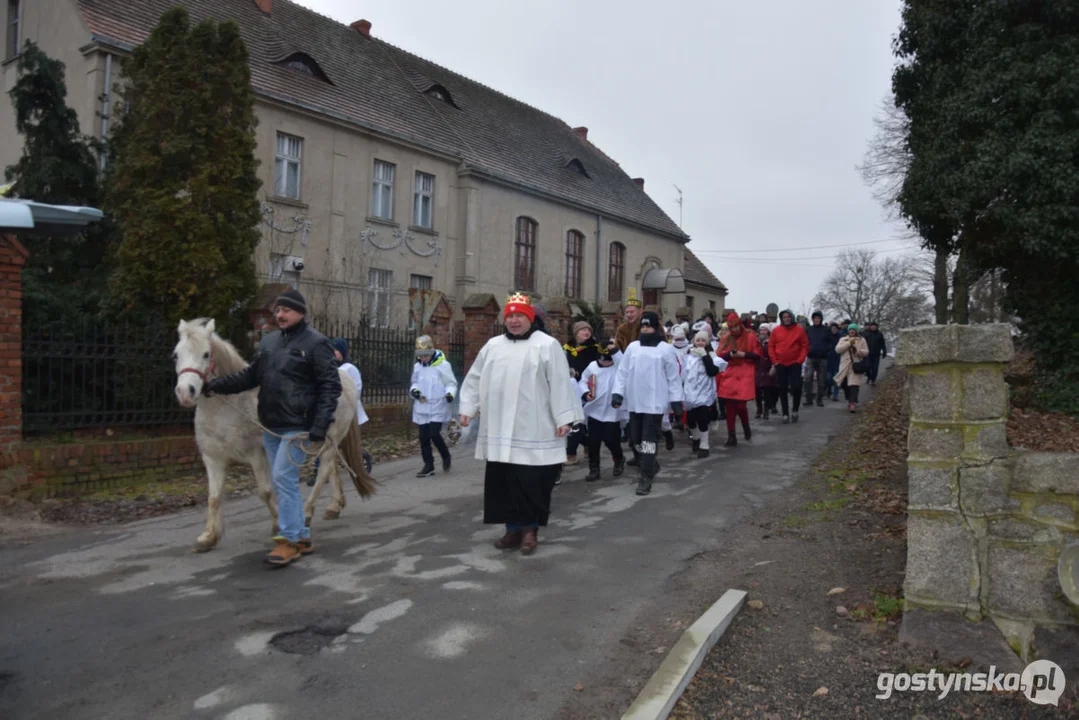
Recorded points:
(440,93)
(305,64)
(577,166)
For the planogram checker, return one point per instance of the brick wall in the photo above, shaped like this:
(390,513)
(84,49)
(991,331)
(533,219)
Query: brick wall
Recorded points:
(481,318)
(12,258)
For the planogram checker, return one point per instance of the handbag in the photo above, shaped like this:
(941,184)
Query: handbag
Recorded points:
(860,367)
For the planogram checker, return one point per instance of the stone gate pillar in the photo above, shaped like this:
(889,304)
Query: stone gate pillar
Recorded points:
(481,318)
(956,467)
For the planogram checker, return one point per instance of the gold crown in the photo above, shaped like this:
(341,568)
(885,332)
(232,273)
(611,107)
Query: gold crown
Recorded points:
(424,345)
(632,298)
(519,298)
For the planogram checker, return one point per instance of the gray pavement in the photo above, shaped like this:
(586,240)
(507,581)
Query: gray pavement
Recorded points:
(404,611)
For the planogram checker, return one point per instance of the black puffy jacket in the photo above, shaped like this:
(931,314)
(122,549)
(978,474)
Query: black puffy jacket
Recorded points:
(821,341)
(296,373)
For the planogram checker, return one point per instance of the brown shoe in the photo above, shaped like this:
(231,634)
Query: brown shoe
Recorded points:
(306,546)
(283,553)
(509,541)
(529,542)
(571,460)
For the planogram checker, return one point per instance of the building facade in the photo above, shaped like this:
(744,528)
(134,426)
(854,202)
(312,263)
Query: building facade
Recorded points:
(383,172)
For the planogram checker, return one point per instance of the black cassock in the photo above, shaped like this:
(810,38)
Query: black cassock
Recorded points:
(518,494)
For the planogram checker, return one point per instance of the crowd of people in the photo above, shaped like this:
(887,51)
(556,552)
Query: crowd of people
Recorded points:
(541,401)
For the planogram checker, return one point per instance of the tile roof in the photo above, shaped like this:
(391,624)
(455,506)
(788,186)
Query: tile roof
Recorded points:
(381,87)
(697,272)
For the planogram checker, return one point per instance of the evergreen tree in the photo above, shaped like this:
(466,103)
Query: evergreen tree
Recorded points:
(992,93)
(58,166)
(182,174)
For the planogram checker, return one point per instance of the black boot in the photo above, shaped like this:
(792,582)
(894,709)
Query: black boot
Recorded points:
(746,431)
(669,437)
(619,466)
(446,462)
(696,446)
(428,470)
(644,486)
(593,475)
(636,461)
(732,440)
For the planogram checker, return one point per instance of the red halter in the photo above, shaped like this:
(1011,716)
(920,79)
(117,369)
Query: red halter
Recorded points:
(204,376)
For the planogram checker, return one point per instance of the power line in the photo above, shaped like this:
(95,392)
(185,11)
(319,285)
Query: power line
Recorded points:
(774,261)
(793,249)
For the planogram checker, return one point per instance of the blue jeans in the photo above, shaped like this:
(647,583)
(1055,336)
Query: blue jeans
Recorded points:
(285,474)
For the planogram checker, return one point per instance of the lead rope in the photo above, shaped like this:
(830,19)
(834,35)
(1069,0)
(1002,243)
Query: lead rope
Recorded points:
(308,453)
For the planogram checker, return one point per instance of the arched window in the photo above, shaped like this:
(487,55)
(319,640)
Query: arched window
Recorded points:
(524,256)
(574,263)
(616,272)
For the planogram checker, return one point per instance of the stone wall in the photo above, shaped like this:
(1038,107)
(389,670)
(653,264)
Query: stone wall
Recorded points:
(987,524)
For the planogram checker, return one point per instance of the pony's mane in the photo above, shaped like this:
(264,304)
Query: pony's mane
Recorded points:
(226,355)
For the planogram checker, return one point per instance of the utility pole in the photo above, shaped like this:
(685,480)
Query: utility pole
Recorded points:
(679,201)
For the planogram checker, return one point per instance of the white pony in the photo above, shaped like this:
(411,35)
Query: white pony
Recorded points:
(226,429)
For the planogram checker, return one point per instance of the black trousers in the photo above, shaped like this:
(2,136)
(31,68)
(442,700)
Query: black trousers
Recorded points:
(789,380)
(699,417)
(874,366)
(432,433)
(816,379)
(604,433)
(851,392)
(766,399)
(644,433)
(578,436)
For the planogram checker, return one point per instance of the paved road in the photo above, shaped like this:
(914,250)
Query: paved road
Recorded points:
(404,611)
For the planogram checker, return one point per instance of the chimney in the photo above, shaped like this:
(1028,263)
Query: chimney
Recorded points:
(265,5)
(582,132)
(640,182)
(363,27)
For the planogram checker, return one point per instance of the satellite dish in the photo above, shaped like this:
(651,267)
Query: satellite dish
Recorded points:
(772,310)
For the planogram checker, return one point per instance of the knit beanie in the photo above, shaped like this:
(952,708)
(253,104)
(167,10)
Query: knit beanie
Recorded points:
(702,336)
(853,326)
(651,319)
(293,300)
(341,346)
(581,325)
(678,332)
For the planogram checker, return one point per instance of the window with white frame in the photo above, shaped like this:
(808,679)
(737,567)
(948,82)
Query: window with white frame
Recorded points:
(379,294)
(419,282)
(287,166)
(13,18)
(423,201)
(382,190)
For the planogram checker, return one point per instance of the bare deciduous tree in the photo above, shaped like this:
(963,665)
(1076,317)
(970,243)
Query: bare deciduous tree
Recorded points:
(862,288)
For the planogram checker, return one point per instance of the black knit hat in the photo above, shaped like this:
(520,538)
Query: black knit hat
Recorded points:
(293,300)
(651,319)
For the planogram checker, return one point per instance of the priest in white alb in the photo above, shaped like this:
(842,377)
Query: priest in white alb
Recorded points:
(520,383)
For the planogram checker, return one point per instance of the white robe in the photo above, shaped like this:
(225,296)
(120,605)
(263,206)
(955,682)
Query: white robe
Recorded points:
(600,408)
(354,372)
(648,380)
(523,390)
(698,388)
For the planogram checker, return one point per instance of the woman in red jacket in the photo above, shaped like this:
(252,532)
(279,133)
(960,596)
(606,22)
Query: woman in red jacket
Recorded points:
(737,384)
(788,349)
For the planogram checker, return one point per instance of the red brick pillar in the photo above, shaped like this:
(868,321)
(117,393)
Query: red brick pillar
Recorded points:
(559,314)
(439,326)
(481,318)
(12,258)
(612,318)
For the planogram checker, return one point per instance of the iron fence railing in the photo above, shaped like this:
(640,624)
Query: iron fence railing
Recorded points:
(87,373)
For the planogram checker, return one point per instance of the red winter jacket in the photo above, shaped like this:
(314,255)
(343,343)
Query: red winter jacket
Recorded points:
(789,344)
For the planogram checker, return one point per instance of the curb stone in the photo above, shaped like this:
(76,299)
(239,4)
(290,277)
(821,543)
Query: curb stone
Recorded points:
(659,695)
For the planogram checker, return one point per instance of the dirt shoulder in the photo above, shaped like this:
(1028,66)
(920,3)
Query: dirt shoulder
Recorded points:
(824,564)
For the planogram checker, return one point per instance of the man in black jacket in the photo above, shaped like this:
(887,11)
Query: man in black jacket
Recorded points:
(821,341)
(874,338)
(296,373)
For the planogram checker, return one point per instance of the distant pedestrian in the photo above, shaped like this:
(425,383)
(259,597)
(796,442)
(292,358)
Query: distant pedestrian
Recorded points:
(767,396)
(851,349)
(788,349)
(699,389)
(833,361)
(878,348)
(433,389)
(648,383)
(821,342)
(581,351)
(737,385)
(520,383)
(596,387)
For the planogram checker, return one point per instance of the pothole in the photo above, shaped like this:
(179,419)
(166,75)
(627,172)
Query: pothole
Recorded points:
(308,640)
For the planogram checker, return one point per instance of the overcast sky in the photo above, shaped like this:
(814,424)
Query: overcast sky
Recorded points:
(759,112)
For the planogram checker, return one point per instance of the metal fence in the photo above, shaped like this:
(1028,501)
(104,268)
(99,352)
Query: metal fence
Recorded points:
(85,374)
(92,374)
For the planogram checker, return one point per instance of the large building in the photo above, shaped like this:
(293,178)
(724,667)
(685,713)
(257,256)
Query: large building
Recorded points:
(383,171)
